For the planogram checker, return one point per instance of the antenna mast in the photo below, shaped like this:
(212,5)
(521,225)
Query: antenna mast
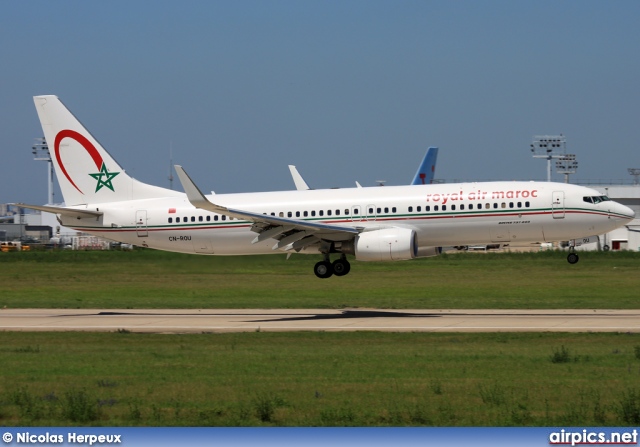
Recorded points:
(170,165)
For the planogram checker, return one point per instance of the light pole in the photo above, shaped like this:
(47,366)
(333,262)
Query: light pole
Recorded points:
(547,147)
(566,164)
(636,173)
(40,152)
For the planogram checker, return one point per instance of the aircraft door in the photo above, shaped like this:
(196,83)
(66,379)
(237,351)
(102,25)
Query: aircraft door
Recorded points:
(355,213)
(557,205)
(141,223)
(371,212)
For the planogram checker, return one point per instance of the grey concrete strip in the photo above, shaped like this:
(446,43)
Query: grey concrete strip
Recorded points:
(248,320)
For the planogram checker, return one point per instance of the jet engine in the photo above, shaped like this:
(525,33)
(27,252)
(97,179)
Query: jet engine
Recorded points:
(389,244)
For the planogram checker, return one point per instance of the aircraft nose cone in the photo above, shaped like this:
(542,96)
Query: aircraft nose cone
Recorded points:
(625,212)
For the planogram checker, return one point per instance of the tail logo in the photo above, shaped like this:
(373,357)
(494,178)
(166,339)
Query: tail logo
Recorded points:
(107,180)
(103,177)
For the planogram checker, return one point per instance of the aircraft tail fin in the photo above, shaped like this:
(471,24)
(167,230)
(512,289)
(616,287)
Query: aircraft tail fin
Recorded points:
(427,169)
(86,172)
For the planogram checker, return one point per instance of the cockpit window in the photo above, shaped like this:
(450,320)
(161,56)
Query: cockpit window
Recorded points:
(595,199)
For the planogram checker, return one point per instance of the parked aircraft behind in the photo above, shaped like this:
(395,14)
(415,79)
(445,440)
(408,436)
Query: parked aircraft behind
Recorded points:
(372,224)
(427,169)
(423,176)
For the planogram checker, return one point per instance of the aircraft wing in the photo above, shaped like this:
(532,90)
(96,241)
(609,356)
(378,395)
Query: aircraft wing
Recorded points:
(70,212)
(291,233)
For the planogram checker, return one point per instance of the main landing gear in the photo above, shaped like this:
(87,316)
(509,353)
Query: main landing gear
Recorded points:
(325,268)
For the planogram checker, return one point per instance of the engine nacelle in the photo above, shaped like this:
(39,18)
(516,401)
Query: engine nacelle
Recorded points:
(390,244)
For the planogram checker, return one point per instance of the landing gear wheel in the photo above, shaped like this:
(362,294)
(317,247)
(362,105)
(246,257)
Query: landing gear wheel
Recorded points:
(572,258)
(341,267)
(323,269)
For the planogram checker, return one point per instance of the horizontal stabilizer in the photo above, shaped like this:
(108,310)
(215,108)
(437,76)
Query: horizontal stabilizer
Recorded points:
(69,212)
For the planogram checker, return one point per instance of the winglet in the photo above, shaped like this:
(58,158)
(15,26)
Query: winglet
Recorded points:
(194,194)
(301,185)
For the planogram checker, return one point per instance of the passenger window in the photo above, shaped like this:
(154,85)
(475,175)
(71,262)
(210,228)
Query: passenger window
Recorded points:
(371,211)
(346,212)
(356,211)
(321,213)
(526,204)
(453,207)
(461,206)
(281,214)
(328,212)
(306,213)
(193,218)
(419,208)
(200,218)
(444,207)
(504,205)
(208,218)
(386,210)
(297,213)
(273,214)
(289,214)
(471,206)
(487,206)
(427,208)
(337,212)
(495,206)
(393,210)
(435,208)
(519,204)
(313,213)
(510,204)
(171,220)
(215,218)
(411,209)
(224,217)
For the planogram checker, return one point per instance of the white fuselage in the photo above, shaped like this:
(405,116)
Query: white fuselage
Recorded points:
(441,215)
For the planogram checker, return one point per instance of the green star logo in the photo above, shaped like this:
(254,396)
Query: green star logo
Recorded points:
(104,178)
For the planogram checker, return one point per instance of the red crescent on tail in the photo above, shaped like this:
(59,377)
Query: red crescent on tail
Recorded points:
(86,144)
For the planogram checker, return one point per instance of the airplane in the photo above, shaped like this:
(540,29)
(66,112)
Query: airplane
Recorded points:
(427,169)
(371,224)
(423,176)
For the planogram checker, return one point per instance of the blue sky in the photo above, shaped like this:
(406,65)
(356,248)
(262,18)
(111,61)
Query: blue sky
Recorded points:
(345,90)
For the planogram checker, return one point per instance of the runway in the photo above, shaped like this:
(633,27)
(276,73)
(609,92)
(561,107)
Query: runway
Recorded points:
(181,321)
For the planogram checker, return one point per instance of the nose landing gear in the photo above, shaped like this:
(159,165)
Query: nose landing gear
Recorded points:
(572,257)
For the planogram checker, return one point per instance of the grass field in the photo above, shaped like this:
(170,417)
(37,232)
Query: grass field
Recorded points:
(152,279)
(318,379)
